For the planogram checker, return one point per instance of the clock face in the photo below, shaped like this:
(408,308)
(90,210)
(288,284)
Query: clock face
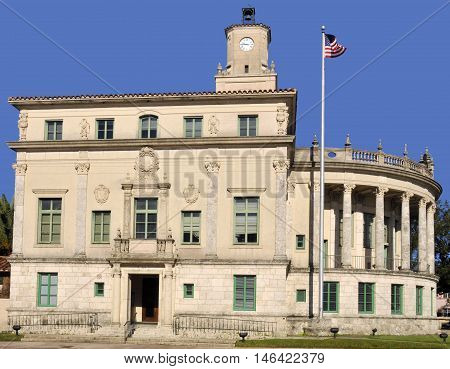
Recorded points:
(246,44)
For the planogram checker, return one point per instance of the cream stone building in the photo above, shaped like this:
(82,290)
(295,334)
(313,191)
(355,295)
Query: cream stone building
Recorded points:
(161,213)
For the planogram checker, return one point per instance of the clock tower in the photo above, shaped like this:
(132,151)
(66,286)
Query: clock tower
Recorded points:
(247,65)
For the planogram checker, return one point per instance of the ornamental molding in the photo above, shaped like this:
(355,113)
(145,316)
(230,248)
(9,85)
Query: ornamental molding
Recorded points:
(282,119)
(281,166)
(20,169)
(212,166)
(23,125)
(291,185)
(349,187)
(191,194)
(82,168)
(147,163)
(101,194)
(407,195)
(381,190)
(85,128)
(213,125)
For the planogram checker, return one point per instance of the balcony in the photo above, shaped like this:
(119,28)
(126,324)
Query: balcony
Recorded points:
(161,248)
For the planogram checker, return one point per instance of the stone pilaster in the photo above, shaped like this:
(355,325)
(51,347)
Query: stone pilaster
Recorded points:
(82,170)
(212,168)
(116,295)
(167,301)
(379,227)
(164,211)
(430,237)
(281,167)
(127,194)
(315,225)
(406,231)
(422,256)
(347,225)
(19,193)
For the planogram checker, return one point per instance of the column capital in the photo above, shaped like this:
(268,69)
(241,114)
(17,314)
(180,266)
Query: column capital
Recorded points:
(381,190)
(432,207)
(82,168)
(20,169)
(423,202)
(407,195)
(349,187)
(212,166)
(281,166)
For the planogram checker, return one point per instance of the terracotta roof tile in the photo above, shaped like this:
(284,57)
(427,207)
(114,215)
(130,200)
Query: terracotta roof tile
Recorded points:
(4,265)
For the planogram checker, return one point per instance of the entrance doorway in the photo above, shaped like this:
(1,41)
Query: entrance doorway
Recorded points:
(150,299)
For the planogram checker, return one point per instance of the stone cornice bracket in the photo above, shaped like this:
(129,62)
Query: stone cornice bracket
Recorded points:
(212,166)
(407,195)
(82,168)
(423,202)
(20,169)
(281,166)
(23,125)
(349,187)
(380,191)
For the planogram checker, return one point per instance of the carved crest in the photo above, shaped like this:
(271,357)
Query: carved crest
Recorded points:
(282,119)
(85,127)
(147,163)
(101,193)
(191,194)
(213,125)
(23,125)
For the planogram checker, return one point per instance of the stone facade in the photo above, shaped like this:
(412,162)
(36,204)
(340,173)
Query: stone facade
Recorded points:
(225,270)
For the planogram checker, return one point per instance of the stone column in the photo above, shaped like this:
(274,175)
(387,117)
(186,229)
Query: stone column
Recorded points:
(80,239)
(281,167)
(19,193)
(167,296)
(315,225)
(422,256)
(127,194)
(406,231)
(116,295)
(379,227)
(212,168)
(430,237)
(347,225)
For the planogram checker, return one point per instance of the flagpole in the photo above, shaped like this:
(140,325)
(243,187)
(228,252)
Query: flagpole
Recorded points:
(322,182)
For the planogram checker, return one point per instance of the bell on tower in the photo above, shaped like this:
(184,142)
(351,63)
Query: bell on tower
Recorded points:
(248,15)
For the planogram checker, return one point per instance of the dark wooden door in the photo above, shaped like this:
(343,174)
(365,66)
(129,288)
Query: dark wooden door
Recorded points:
(150,299)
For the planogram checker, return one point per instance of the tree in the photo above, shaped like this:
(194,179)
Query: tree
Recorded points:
(6,226)
(442,251)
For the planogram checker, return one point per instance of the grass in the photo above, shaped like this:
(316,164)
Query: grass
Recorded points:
(7,336)
(350,342)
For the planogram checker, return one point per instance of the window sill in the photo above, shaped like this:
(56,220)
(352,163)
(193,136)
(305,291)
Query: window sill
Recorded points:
(48,246)
(100,245)
(246,246)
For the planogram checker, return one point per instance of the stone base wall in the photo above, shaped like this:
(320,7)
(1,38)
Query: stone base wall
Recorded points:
(4,304)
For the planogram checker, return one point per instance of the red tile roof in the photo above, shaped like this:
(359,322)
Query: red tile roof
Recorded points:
(4,265)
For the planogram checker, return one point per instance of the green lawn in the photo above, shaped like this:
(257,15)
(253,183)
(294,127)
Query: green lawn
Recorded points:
(6,336)
(351,342)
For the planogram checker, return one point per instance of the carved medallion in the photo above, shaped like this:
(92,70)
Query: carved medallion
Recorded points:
(101,193)
(147,163)
(191,194)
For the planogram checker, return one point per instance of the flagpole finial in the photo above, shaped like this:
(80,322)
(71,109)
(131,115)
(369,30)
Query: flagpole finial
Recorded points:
(322,28)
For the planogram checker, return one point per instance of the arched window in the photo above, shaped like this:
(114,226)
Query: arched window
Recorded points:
(148,126)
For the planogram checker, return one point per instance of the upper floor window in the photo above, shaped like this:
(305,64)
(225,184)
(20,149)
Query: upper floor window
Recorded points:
(397,299)
(105,128)
(49,228)
(148,126)
(193,127)
(191,227)
(101,221)
(247,125)
(146,218)
(246,211)
(53,130)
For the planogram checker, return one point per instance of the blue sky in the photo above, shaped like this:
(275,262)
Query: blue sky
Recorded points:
(156,46)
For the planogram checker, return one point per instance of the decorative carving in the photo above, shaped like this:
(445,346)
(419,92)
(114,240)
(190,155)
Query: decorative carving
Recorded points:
(101,193)
(118,234)
(423,202)
(147,163)
(282,119)
(291,185)
(432,207)
(381,190)
(281,166)
(191,194)
(82,168)
(349,187)
(20,169)
(213,125)
(212,166)
(407,195)
(23,125)
(316,187)
(85,128)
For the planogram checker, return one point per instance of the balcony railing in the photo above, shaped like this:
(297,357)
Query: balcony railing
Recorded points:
(159,247)
(363,262)
(393,264)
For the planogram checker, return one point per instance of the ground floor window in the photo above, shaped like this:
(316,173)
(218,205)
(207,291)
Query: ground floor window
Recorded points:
(244,292)
(99,289)
(301,295)
(188,291)
(331,297)
(397,299)
(419,300)
(366,298)
(47,289)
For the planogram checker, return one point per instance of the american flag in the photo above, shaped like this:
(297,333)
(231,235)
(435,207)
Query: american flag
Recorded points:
(332,49)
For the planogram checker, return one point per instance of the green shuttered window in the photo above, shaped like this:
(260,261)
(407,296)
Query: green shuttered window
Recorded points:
(248,125)
(330,297)
(301,296)
(53,130)
(146,218)
(148,126)
(105,129)
(396,299)
(191,227)
(193,127)
(419,300)
(244,293)
(300,244)
(49,228)
(47,289)
(188,291)
(99,289)
(246,212)
(366,301)
(101,221)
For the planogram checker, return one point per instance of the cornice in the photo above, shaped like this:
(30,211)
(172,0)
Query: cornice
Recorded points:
(159,143)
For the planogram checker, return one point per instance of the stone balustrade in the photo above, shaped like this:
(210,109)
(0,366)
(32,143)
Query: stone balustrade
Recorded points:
(163,247)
